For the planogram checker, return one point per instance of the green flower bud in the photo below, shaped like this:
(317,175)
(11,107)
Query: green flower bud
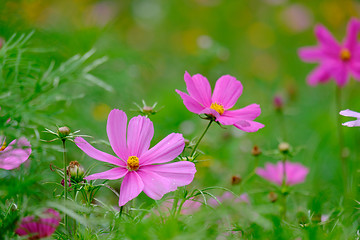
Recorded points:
(75,171)
(63,132)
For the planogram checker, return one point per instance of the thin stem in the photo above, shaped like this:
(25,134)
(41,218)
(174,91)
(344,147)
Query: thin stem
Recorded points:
(341,135)
(121,210)
(252,173)
(65,184)
(281,117)
(201,137)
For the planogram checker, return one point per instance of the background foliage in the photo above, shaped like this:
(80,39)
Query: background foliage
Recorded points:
(51,75)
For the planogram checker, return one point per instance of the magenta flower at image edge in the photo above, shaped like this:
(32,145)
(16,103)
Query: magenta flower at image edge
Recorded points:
(143,169)
(336,60)
(41,227)
(14,154)
(349,113)
(295,173)
(226,92)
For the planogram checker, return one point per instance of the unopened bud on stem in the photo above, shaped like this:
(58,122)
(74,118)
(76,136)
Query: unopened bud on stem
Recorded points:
(284,147)
(63,131)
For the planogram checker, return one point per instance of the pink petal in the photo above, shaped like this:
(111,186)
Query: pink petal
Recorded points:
(341,75)
(351,41)
(116,131)
(179,173)
(355,123)
(140,133)
(327,40)
(131,187)
(295,173)
(96,154)
(16,153)
(190,103)
(248,126)
(311,54)
(166,150)
(227,91)
(354,68)
(111,174)
(272,173)
(198,88)
(320,74)
(212,112)
(155,186)
(350,113)
(229,117)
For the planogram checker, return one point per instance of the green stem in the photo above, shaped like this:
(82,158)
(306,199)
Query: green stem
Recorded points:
(252,173)
(121,210)
(341,135)
(65,185)
(201,137)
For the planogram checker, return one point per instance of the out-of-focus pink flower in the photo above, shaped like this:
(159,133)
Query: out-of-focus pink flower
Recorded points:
(39,227)
(189,206)
(228,197)
(14,154)
(336,60)
(349,113)
(226,92)
(141,167)
(294,173)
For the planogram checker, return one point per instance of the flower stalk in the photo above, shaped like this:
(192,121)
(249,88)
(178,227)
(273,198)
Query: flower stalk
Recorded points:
(201,137)
(65,182)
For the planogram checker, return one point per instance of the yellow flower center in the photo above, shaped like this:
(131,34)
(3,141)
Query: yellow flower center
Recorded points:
(218,107)
(2,148)
(345,54)
(133,163)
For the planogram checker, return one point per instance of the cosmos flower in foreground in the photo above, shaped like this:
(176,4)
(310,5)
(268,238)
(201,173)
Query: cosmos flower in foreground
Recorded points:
(294,173)
(39,227)
(336,60)
(349,113)
(226,92)
(141,167)
(14,154)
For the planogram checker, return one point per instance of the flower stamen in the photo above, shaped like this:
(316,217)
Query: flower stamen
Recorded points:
(345,54)
(2,148)
(217,107)
(133,163)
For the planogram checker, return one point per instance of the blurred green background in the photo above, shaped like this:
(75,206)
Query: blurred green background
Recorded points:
(151,43)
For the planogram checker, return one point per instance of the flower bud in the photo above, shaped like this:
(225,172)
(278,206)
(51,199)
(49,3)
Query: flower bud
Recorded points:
(63,182)
(187,142)
(235,180)
(148,109)
(63,132)
(284,147)
(255,151)
(278,103)
(273,197)
(75,171)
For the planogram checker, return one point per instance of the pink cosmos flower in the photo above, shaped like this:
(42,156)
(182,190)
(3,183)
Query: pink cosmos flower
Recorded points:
(349,113)
(294,172)
(14,154)
(228,197)
(226,92)
(39,227)
(141,167)
(336,60)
